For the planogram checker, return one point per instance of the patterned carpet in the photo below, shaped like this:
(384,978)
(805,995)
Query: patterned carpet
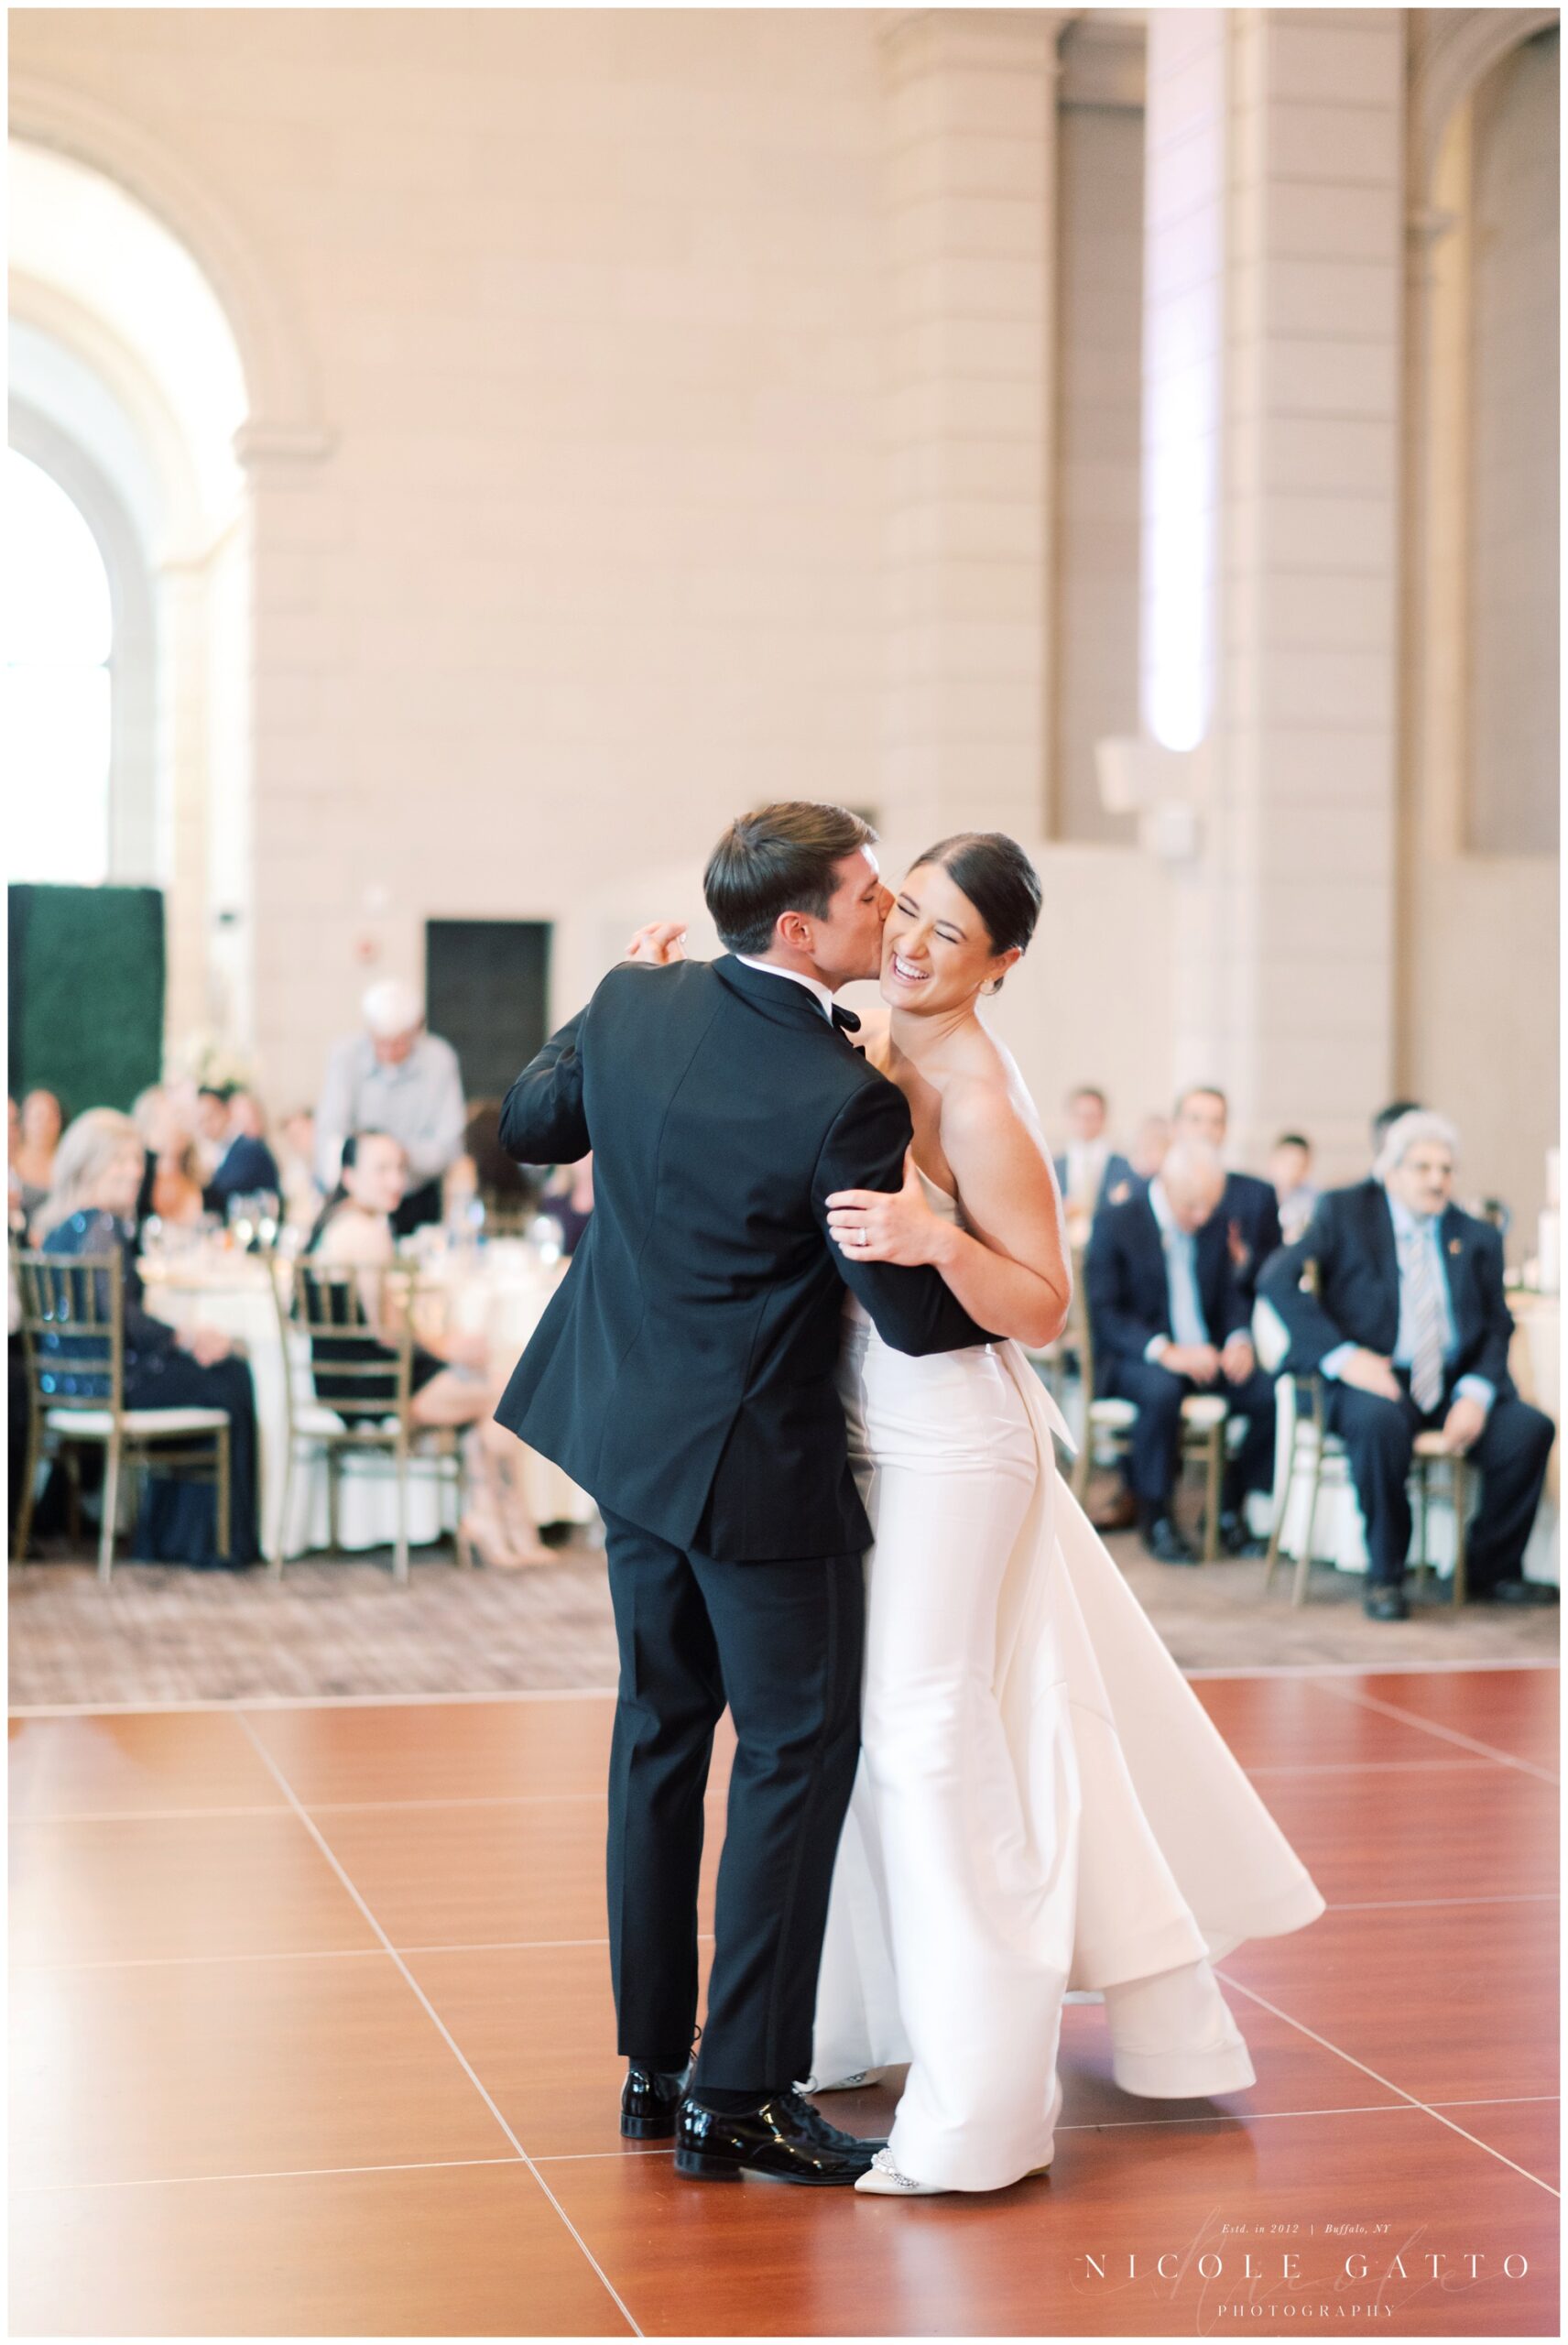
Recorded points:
(342,1627)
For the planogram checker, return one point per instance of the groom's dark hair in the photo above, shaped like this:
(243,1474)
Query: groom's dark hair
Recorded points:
(778,859)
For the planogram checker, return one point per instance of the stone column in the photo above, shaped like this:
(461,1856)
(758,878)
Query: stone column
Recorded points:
(1284,975)
(971,115)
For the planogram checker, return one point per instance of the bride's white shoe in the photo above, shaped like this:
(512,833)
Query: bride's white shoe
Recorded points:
(882,2179)
(851,2083)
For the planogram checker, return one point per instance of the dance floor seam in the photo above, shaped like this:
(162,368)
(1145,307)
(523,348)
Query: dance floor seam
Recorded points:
(630,2150)
(1430,2108)
(552,1945)
(1199,1673)
(1444,1733)
(438,2022)
(558,1799)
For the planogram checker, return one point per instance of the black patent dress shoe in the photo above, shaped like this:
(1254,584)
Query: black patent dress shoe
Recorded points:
(1384,1601)
(1518,1591)
(1165,1543)
(650,2098)
(1236,1539)
(784,2140)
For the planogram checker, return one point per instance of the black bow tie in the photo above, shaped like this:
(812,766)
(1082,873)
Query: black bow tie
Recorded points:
(845,1020)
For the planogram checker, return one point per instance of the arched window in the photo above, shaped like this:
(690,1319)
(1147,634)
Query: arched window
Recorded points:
(59,680)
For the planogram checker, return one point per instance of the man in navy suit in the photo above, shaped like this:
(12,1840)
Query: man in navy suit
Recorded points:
(231,1121)
(1249,1210)
(1167,1317)
(1409,1330)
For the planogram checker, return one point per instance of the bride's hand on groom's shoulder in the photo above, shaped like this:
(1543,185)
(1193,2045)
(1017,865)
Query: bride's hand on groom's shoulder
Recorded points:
(659,942)
(872,1226)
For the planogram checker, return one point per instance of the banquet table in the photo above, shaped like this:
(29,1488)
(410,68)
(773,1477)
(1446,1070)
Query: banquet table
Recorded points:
(498,1291)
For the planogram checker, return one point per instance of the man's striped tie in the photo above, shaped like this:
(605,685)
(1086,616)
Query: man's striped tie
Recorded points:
(1426,1326)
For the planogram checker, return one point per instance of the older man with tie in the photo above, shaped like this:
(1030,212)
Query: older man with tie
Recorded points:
(1406,1322)
(1168,1319)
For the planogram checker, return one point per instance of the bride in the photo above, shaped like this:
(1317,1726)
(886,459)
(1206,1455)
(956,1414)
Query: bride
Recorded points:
(1042,1805)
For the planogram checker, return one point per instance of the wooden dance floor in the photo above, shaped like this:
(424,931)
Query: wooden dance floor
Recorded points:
(312,2036)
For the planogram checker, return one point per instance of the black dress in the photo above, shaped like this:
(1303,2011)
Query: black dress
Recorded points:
(338,1302)
(176,1522)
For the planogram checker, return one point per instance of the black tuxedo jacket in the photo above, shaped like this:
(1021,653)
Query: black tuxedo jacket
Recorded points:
(1351,1239)
(1128,1293)
(683,1373)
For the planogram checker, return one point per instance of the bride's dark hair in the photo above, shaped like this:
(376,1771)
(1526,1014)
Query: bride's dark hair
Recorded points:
(998,879)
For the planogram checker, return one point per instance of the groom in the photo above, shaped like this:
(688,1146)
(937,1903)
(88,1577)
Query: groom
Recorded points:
(684,1374)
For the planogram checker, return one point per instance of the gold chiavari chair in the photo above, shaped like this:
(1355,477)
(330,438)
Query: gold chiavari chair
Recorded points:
(1109,1422)
(73,1333)
(346,1398)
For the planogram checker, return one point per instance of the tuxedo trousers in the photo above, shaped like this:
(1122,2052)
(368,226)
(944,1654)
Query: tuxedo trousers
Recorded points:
(780,1644)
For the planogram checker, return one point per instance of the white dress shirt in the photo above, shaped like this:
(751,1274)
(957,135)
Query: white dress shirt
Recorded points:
(1188,1325)
(796,977)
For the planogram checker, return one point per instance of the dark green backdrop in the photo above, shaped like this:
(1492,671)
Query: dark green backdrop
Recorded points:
(86,1008)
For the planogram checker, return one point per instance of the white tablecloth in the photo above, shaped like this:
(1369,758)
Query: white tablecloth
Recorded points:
(501,1293)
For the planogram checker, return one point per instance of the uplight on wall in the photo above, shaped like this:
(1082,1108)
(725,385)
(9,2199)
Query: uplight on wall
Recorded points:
(1179,590)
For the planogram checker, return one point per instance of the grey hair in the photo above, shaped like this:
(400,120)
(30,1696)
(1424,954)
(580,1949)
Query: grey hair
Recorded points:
(1408,1131)
(89,1146)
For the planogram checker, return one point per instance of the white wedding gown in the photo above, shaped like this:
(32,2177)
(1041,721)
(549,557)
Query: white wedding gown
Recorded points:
(1042,1804)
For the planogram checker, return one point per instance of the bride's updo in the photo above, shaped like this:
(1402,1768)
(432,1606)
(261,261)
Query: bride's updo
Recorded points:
(998,879)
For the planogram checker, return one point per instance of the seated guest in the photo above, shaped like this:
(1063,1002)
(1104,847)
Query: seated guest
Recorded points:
(1168,1318)
(296,1152)
(508,1191)
(453,1381)
(209,1126)
(1089,1171)
(394,1077)
(569,1200)
(1145,1150)
(1249,1212)
(1295,1192)
(1409,1330)
(33,1155)
(246,1166)
(16,1201)
(171,1187)
(89,1209)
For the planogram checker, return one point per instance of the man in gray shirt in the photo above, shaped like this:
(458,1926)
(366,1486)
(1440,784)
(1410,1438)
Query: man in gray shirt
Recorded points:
(394,1078)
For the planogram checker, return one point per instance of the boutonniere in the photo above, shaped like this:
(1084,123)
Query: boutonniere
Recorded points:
(1456,1246)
